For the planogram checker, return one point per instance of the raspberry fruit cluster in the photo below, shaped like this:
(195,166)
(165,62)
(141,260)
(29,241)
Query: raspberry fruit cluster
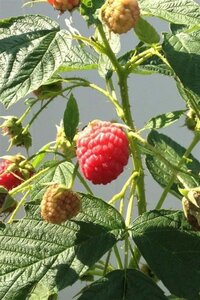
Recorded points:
(102,151)
(63,5)
(120,15)
(59,204)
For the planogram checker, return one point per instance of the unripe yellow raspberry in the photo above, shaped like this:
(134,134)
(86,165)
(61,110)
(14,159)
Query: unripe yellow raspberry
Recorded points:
(120,15)
(59,204)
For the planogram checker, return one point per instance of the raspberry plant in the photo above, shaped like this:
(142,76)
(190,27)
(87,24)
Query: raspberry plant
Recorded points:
(118,246)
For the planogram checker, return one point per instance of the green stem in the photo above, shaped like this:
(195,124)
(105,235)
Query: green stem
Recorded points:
(129,212)
(94,273)
(121,207)
(122,74)
(25,114)
(112,98)
(108,50)
(126,251)
(70,186)
(98,47)
(121,194)
(39,111)
(107,262)
(20,203)
(138,59)
(117,255)
(84,183)
(26,184)
(194,142)
(133,261)
(109,267)
(137,159)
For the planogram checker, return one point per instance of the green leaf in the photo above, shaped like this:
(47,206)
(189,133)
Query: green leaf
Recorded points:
(31,50)
(34,252)
(164,120)
(71,118)
(191,99)
(78,59)
(41,292)
(56,171)
(40,155)
(173,152)
(146,32)
(153,65)
(122,285)
(171,249)
(183,49)
(88,10)
(175,11)
(176,28)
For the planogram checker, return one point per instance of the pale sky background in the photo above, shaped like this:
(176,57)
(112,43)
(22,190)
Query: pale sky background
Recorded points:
(150,96)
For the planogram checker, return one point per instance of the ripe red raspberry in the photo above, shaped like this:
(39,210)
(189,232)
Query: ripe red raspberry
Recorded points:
(13,171)
(64,5)
(120,15)
(59,204)
(102,151)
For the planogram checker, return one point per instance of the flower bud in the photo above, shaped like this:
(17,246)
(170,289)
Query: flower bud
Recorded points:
(66,147)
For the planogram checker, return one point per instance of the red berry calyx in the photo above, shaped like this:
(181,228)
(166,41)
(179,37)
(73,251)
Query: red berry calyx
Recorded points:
(14,170)
(102,151)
